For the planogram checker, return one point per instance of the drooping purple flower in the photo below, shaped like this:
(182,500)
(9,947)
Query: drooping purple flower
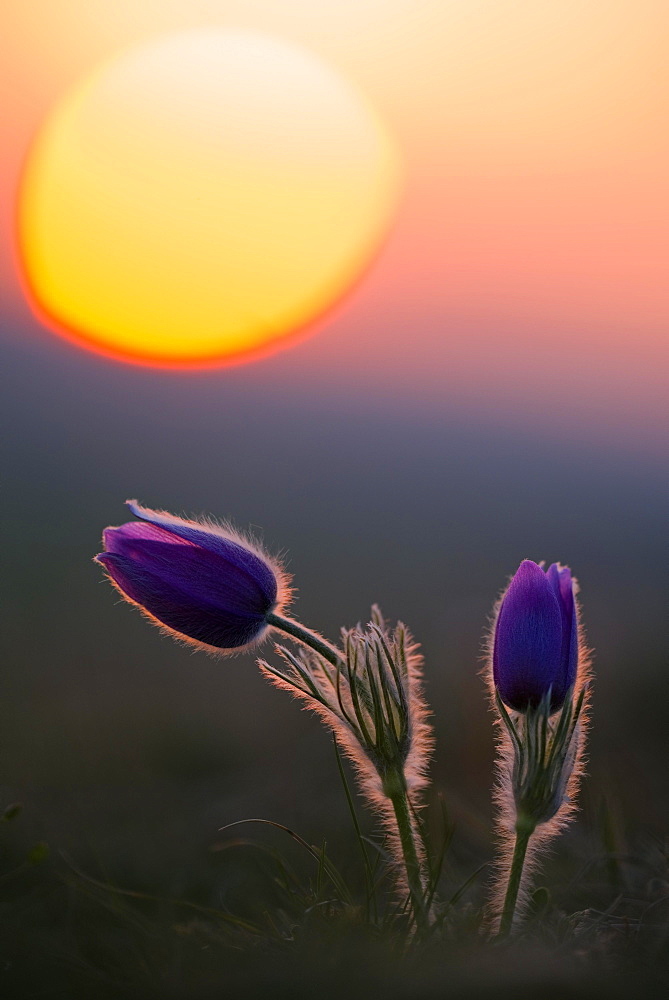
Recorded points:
(203,582)
(535,645)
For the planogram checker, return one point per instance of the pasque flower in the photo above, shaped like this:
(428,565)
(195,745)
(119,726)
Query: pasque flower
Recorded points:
(208,585)
(202,581)
(535,647)
(540,669)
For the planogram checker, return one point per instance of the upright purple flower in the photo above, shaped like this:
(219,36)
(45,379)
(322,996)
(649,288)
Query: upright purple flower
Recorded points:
(540,668)
(204,582)
(535,646)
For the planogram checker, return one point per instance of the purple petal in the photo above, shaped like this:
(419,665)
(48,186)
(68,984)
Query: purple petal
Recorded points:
(176,602)
(195,573)
(203,583)
(117,539)
(528,639)
(561,580)
(217,541)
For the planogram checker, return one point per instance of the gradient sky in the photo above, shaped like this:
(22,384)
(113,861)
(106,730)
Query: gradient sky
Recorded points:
(526,276)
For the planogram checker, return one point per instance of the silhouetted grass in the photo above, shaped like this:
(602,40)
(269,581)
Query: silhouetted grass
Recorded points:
(278,916)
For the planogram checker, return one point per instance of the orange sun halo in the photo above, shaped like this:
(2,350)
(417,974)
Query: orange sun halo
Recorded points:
(202,196)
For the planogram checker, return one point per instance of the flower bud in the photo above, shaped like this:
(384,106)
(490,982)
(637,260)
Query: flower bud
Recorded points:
(372,698)
(370,694)
(535,645)
(203,582)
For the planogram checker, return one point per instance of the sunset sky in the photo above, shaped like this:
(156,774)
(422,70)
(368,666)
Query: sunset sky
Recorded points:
(526,270)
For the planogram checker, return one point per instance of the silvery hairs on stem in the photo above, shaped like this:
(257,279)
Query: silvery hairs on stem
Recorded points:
(372,700)
(539,676)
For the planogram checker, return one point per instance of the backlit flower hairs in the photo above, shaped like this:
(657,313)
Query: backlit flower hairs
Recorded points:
(210,586)
(539,679)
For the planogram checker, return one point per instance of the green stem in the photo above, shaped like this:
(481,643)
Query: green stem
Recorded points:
(411,862)
(306,636)
(524,831)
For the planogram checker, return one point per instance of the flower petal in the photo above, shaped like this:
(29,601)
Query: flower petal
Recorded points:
(174,602)
(528,639)
(217,540)
(561,580)
(194,573)
(118,539)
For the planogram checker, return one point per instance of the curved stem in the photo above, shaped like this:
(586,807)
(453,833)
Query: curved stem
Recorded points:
(306,636)
(411,862)
(524,831)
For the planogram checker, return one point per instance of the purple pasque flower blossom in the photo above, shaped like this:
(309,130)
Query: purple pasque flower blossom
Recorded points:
(535,642)
(201,581)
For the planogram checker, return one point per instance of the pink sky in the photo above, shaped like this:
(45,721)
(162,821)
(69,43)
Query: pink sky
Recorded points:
(527,274)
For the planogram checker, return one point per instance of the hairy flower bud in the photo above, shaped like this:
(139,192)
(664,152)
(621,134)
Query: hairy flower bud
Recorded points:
(540,668)
(371,696)
(535,646)
(203,582)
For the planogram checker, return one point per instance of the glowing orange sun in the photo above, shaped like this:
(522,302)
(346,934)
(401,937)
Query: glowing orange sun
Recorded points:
(202,196)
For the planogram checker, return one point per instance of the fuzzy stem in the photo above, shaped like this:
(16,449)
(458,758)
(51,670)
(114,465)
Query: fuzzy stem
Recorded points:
(524,830)
(307,637)
(400,803)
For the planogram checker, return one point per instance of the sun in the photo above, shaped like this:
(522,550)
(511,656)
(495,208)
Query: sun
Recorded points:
(201,197)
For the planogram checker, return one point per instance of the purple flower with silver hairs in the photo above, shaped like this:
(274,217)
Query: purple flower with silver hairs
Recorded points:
(540,669)
(208,585)
(535,646)
(204,582)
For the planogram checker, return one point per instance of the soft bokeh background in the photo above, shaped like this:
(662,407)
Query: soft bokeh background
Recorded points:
(494,389)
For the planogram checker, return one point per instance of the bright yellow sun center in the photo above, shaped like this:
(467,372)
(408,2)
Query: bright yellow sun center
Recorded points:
(202,196)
